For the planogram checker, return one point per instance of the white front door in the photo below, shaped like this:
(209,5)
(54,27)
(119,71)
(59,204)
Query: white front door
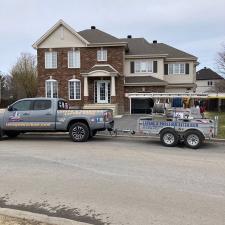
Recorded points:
(103,91)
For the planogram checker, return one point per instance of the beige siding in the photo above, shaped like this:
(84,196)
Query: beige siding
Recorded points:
(202,86)
(61,38)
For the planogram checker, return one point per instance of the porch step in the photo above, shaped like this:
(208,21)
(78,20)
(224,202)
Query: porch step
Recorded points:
(102,106)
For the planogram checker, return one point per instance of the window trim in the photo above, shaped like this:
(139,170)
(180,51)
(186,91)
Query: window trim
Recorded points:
(76,64)
(52,81)
(143,61)
(75,95)
(46,64)
(173,69)
(102,55)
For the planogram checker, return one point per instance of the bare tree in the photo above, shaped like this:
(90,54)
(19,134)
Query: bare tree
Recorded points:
(219,86)
(24,76)
(221,60)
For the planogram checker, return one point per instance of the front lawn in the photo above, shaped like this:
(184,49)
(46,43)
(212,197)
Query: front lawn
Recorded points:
(221,130)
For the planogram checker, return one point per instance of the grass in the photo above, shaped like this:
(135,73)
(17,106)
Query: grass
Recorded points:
(221,122)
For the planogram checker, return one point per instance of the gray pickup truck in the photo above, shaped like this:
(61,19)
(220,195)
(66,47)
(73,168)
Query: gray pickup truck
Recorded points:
(46,115)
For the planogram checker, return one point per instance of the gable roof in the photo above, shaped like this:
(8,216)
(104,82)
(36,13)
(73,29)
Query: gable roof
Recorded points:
(52,29)
(98,36)
(140,46)
(105,67)
(207,74)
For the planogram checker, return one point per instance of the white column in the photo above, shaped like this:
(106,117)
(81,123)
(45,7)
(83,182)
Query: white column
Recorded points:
(85,86)
(113,86)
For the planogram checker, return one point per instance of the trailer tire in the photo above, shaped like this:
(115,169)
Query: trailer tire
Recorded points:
(169,137)
(193,139)
(12,134)
(79,132)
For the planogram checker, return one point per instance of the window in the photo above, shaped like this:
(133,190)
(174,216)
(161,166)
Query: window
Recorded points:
(50,60)
(143,67)
(74,59)
(51,88)
(42,104)
(102,55)
(74,89)
(176,68)
(210,83)
(24,105)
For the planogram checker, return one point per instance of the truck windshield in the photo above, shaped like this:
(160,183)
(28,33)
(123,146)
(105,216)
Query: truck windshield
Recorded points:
(62,105)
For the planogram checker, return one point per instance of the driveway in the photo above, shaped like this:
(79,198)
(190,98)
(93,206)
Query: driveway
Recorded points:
(114,181)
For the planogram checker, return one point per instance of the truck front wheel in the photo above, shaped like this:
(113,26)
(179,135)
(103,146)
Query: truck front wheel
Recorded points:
(193,139)
(169,137)
(79,132)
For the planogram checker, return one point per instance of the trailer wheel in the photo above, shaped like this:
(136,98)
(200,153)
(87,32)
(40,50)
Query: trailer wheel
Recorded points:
(169,137)
(193,139)
(12,134)
(79,132)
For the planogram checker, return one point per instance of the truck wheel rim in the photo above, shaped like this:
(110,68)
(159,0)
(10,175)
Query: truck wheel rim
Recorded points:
(168,138)
(193,140)
(78,133)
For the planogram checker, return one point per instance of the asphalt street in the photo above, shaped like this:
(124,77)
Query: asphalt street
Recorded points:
(114,180)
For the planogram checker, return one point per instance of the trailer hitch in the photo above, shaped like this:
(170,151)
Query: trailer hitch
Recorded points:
(116,132)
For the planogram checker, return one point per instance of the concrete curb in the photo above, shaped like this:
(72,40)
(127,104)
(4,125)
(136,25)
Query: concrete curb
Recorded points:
(108,135)
(38,217)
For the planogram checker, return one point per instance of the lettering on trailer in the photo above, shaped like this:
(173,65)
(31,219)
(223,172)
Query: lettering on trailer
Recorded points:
(148,124)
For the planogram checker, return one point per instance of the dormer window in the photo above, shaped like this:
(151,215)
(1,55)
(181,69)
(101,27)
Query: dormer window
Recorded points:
(102,55)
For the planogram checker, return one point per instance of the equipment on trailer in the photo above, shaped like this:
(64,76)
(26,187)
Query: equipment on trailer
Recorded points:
(178,125)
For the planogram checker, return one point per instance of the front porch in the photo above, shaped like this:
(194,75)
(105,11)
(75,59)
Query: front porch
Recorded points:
(100,88)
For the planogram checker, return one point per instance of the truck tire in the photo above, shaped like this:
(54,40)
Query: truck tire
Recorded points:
(79,132)
(193,139)
(12,134)
(169,137)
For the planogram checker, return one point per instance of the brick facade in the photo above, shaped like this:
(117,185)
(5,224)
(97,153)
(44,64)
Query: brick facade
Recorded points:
(115,57)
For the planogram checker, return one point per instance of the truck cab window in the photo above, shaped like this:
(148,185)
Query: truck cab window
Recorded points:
(42,104)
(22,106)
(62,105)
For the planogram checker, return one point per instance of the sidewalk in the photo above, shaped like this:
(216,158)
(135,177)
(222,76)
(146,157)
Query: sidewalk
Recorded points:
(18,217)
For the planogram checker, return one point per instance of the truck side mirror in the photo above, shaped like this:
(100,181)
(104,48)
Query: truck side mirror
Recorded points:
(10,108)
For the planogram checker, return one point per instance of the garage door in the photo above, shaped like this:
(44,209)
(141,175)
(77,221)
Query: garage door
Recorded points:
(141,106)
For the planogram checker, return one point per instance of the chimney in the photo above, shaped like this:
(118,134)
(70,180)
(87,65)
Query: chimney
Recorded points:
(205,68)
(93,27)
(154,42)
(129,36)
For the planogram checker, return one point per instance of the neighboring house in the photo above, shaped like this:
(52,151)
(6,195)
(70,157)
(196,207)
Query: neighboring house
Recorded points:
(93,69)
(206,79)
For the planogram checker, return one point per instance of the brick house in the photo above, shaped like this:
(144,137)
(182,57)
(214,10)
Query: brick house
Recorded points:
(93,69)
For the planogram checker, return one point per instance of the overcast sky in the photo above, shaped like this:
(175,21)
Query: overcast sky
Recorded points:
(195,26)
